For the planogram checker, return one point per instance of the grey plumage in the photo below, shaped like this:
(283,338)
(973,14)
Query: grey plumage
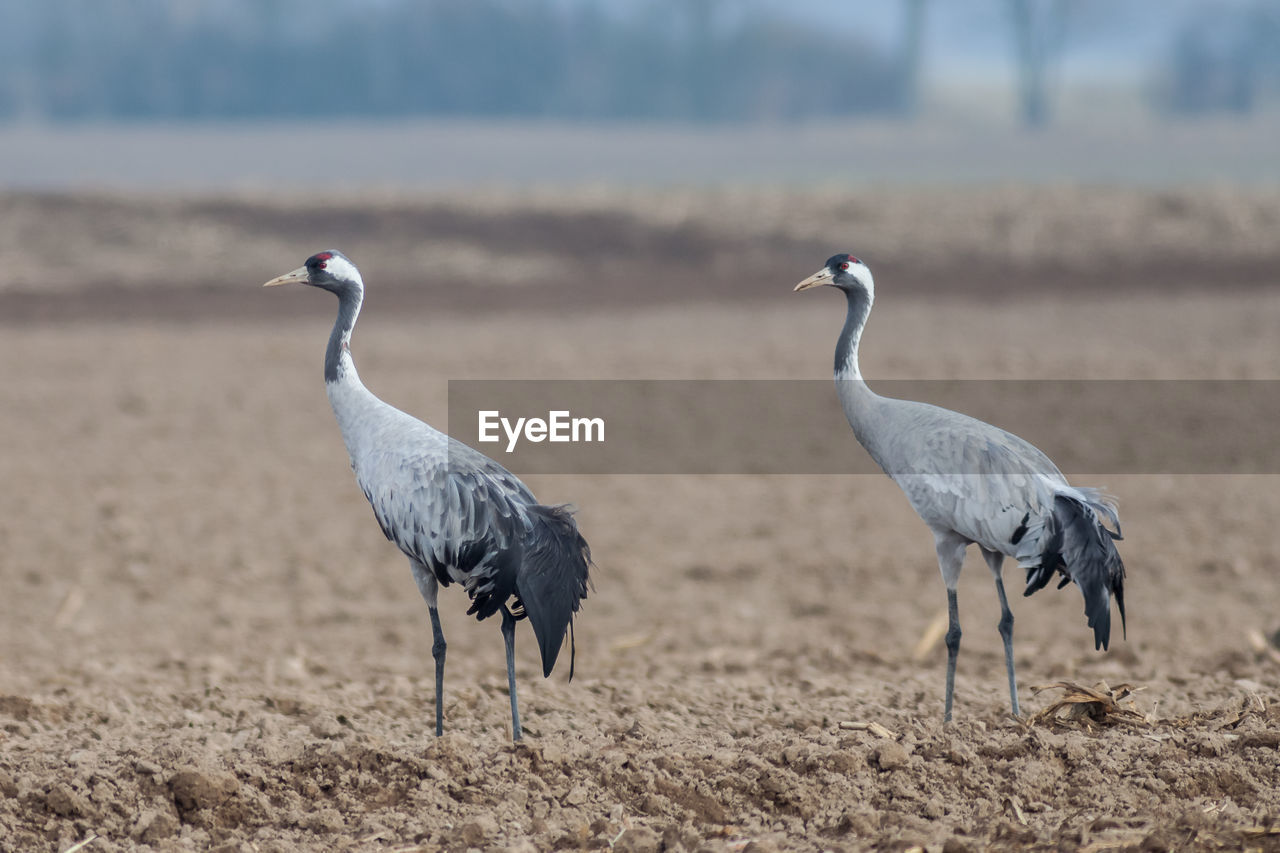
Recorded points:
(459,516)
(973,483)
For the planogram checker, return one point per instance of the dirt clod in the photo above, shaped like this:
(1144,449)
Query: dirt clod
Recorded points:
(638,840)
(8,787)
(760,845)
(63,800)
(1159,841)
(194,789)
(154,825)
(891,756)
(955,844)
(325,821)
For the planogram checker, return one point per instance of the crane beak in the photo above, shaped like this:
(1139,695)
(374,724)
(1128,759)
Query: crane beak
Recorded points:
(821,277)
(298,276)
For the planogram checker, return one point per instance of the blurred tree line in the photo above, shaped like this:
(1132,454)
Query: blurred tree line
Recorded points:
(669,59)
(1222,60)
(690,60)
(1222,56)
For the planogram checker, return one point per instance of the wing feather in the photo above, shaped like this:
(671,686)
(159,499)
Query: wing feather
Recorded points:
(966,475)
(449,507)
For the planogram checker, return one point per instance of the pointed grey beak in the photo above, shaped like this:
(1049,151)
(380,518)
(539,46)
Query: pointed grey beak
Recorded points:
(821,277)
(298,276)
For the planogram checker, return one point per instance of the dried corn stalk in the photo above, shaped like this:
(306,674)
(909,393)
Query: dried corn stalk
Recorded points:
(1091,707)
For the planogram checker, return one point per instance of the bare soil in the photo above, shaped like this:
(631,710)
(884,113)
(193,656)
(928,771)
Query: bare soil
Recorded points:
(205,642)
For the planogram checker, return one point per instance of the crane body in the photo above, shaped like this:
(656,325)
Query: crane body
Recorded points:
(459,516)
(974,483)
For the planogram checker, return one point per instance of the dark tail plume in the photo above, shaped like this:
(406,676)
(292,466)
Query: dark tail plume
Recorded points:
(553,579)
(1080,548)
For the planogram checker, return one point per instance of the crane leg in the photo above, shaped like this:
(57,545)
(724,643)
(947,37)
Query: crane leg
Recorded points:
(509,639)
(438,648)
(1006,634)
(429,587)
(953,650)
(950,560)
(994,561)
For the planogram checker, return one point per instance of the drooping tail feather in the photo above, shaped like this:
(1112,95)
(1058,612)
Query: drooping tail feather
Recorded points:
(1076,544)
(553,579)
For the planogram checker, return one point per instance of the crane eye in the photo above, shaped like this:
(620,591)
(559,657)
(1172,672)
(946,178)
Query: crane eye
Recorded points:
(845,265)
(322,264)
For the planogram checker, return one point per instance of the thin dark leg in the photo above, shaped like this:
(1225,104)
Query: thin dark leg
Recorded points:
(953,649)
(437,651)
(509,637)
(1006,634)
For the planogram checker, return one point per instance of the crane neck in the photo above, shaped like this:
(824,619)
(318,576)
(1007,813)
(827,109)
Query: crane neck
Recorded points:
(868,413)
(846,365)
(337,357)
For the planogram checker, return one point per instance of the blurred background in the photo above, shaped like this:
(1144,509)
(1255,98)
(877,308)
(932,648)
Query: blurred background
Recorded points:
(156,147)
(450,93)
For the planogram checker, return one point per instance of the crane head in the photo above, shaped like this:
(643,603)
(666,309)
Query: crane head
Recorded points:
(330,270)
(843,271)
